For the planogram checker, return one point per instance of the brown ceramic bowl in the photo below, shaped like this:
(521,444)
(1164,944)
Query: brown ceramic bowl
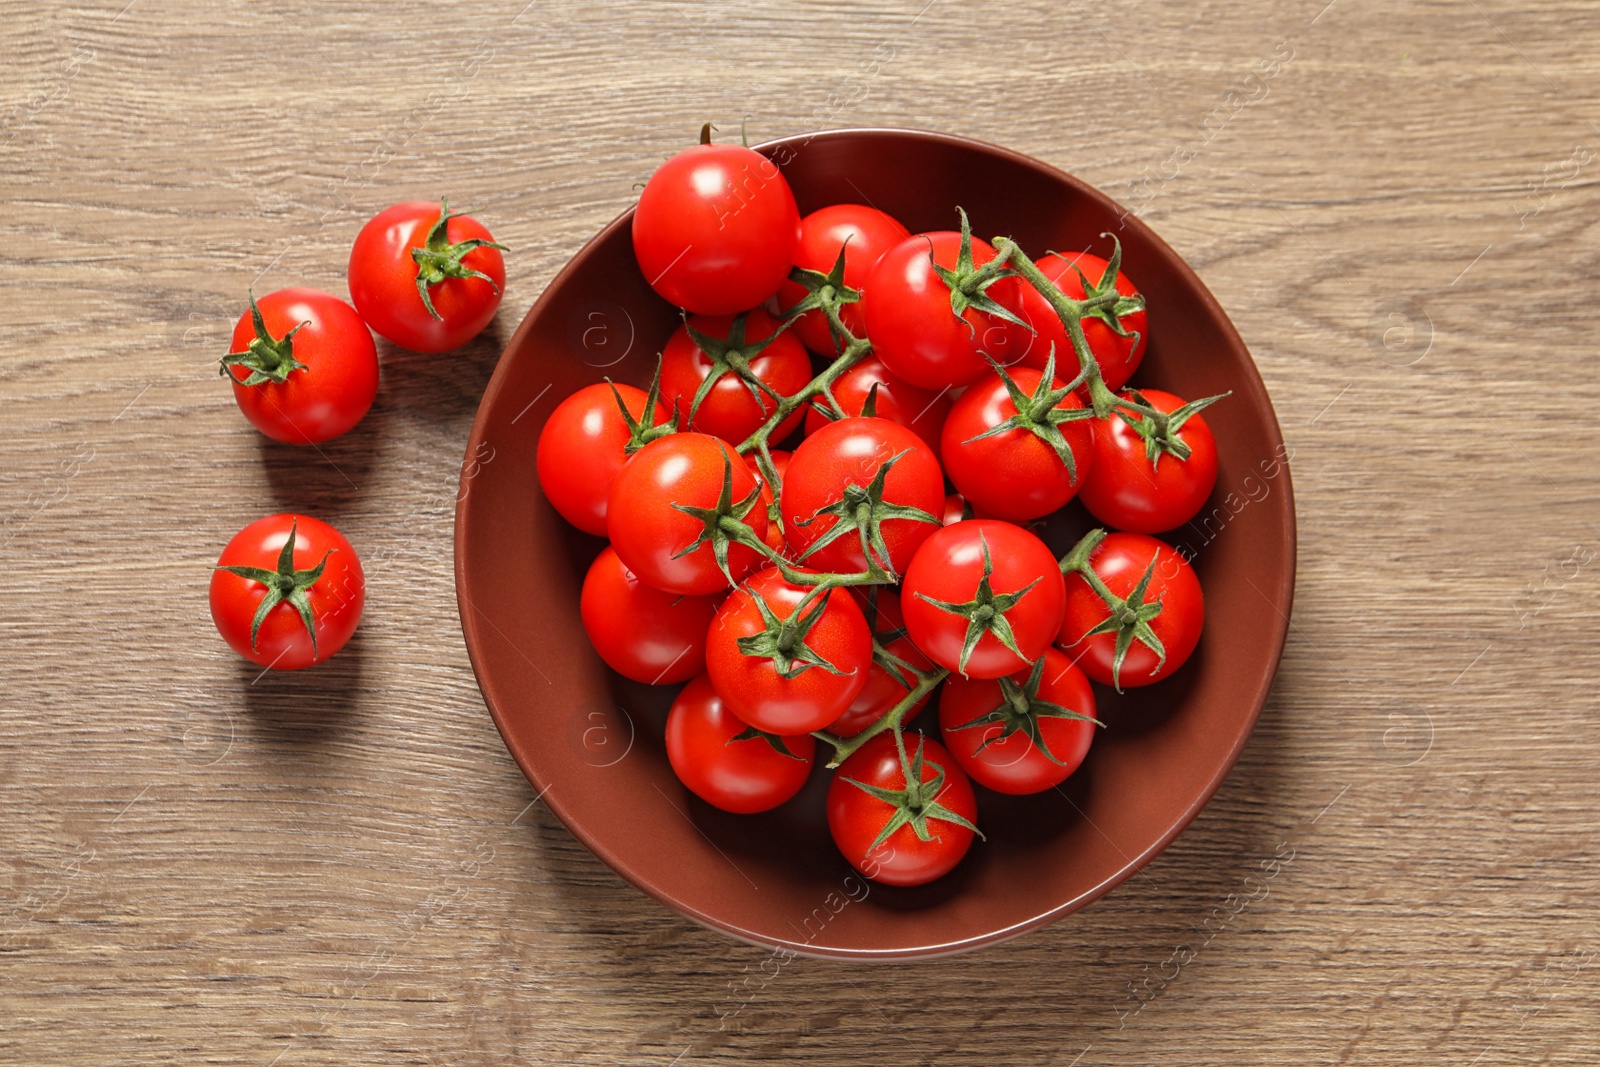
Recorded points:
(591,743)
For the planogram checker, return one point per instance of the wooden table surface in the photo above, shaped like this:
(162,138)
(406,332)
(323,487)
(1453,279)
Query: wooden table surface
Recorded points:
(200,864)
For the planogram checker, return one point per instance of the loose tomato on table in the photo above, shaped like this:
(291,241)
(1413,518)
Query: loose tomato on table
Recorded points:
(641,632)
(1018,445)
(1151,475)
(1155,613)
(1118,354)
(727,763)
(1022,733)
(888,680)
(287,592)
(425,277)
(932,318)
(716,228)
(863,234)
(983,598)
(901,810)
(920,410)
(303,365)
(716,370)
(670,510)
(860,485)
(584,444)
(787,658)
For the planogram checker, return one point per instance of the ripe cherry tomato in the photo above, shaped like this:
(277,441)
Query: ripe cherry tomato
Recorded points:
(917,409)
(667,547)
(426,286)
(887,684)
(865,234)
(798,670)
(304,367)
(287,592)
(1130,491)
(731,409)
(716,229)
(641,632)
(1016,474)
(940,803)
(971,585)
(741,774)
(913,327)
(1121,561)
(993,728)
(780,460)
(833,496)
(583,446)
(1118,357)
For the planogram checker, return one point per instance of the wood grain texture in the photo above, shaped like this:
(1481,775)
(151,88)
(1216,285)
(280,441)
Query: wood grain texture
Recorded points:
(204,865)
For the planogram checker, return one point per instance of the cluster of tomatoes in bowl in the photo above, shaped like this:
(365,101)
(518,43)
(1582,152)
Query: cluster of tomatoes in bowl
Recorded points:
(288,589)
(823,509)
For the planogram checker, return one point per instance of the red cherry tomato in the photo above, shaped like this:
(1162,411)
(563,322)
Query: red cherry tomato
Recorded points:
(887,685)
(829,500)
(337,374)
(716,229)
(858,819)
(583,446)
(742,776)
(320,577)
(1128,490)
(402,253)
(945,603)
(729,411)
(913,327)
(641,632)
(826,662)
(990,725)
(1118,357)
(920,410)
(1015,474)
(956,509)
(653,537)
(865,233)
(1121,561)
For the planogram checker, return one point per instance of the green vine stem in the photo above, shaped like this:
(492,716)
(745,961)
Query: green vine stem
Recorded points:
(894,718)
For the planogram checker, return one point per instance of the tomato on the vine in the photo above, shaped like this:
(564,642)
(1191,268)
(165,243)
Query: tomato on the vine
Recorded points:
(1022,733)
(902,812)
(728,764)
(1118,356)
(1018,446)
(983,598)
(716,229)
(584,444)
(931,334)
(864,234)
(787,658)
(1139,484)
(920,410)
(860,485)
(642,632)
(888,681)
(303,365)
(668,513)
(716,370)
(425,277)
(287,592)
(1158,605)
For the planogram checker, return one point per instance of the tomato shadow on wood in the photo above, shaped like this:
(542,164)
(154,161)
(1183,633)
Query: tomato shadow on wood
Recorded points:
(308,708)
(443,387)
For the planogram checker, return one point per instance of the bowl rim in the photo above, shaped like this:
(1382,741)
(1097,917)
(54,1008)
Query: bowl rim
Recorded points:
(474,636)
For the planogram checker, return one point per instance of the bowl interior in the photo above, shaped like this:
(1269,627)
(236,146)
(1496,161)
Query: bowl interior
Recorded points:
(591,743)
